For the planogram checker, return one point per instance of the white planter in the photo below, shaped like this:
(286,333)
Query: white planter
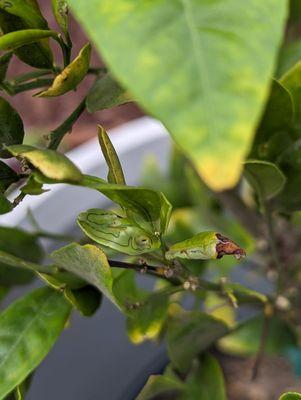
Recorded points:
(94,359)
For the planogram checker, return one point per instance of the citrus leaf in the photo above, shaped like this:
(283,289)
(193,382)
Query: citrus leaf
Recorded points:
(28,330)
(106,93)
(52,164)
(290,396)
(115,170)
(14,40)
(71,76)
(60,11)
(11,127)
(89,263)
(5,205)
(7,176)
(189,334)
(166,54)
(265,177)
(86,299)
(23,9)
(118,233)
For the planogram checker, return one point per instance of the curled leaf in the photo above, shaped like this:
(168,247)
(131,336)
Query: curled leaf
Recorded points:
(205,246)
(71,76)
(116,232)
(53,165)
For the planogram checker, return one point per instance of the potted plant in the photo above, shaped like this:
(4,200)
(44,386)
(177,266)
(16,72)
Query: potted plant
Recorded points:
(232,189)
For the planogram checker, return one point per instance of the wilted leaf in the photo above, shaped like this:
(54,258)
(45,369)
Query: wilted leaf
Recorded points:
(265,177)
(118,233)
(28,330)
(11,127)
(189,334)
(115,174)
(89,263)
(52,164)
(14,40)
(211,108)
(71,76)
(106,93)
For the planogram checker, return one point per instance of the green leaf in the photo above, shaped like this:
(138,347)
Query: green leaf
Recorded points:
(28,330)
(106,93)
(37,54)
(11,127)
(33,187)
(86,299)
(160,385)
(18,243)
(89,263)
(265,177)
(206,381)
(244,293)
(189,334)
(244,341)
(146,321)
(289,55)
(118,233)
(5,205)
(150,205)
(7,176)
(4,62)
(289,199)
(60,11)
(25,11)
(52,164)
(115,169)
(291,80)
(71,76)
(290,396)
(273,122)
(166,54)
(19,393)
(14,40)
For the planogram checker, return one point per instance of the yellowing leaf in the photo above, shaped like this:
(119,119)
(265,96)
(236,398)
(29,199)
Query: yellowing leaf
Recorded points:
(71,76)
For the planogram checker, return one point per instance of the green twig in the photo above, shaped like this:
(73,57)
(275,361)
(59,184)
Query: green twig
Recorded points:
(260,353)
(57,135)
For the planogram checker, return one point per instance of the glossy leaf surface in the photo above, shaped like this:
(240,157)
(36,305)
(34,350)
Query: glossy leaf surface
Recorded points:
(28,330)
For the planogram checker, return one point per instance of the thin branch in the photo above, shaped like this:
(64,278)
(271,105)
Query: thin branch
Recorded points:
(57,135)
(260,353)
